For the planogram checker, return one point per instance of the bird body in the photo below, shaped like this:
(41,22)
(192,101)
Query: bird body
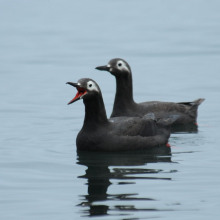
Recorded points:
(116,134)
(186,111)
(124,104)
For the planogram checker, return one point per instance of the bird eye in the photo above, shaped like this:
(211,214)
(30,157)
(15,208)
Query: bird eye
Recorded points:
(119,64)
(90,85)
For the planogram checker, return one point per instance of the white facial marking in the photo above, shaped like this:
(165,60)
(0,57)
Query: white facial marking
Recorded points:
(121,65)
(78,84)
(91,86)
(110,69)
(108,65)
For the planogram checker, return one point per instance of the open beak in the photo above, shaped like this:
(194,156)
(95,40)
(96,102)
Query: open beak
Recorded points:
(80,93)
(105,68)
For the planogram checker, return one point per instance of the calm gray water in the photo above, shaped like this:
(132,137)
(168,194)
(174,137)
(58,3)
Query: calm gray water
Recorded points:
(173,48)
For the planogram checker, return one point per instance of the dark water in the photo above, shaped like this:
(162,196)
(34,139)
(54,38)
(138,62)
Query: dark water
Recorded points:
(173,48)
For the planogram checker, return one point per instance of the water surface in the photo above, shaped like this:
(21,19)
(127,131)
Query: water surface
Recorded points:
(173,49)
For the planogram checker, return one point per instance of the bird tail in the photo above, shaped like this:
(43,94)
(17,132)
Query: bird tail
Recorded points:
(193,109)
(196,102)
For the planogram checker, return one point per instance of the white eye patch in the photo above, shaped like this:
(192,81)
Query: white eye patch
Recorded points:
(91,86)
(121,65)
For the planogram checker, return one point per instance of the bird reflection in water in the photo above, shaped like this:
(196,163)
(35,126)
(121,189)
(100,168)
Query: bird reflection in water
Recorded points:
(99,175)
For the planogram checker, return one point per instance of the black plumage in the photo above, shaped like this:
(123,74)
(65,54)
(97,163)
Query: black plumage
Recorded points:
(116,134)
(124,104)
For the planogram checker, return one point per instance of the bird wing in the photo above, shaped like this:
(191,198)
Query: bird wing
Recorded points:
(127,126)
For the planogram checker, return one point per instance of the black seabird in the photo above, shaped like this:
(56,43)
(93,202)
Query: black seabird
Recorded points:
(116,134)
(125,105)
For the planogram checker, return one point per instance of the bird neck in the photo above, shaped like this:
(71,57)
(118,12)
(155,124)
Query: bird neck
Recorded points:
(95,112)
(124,91)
